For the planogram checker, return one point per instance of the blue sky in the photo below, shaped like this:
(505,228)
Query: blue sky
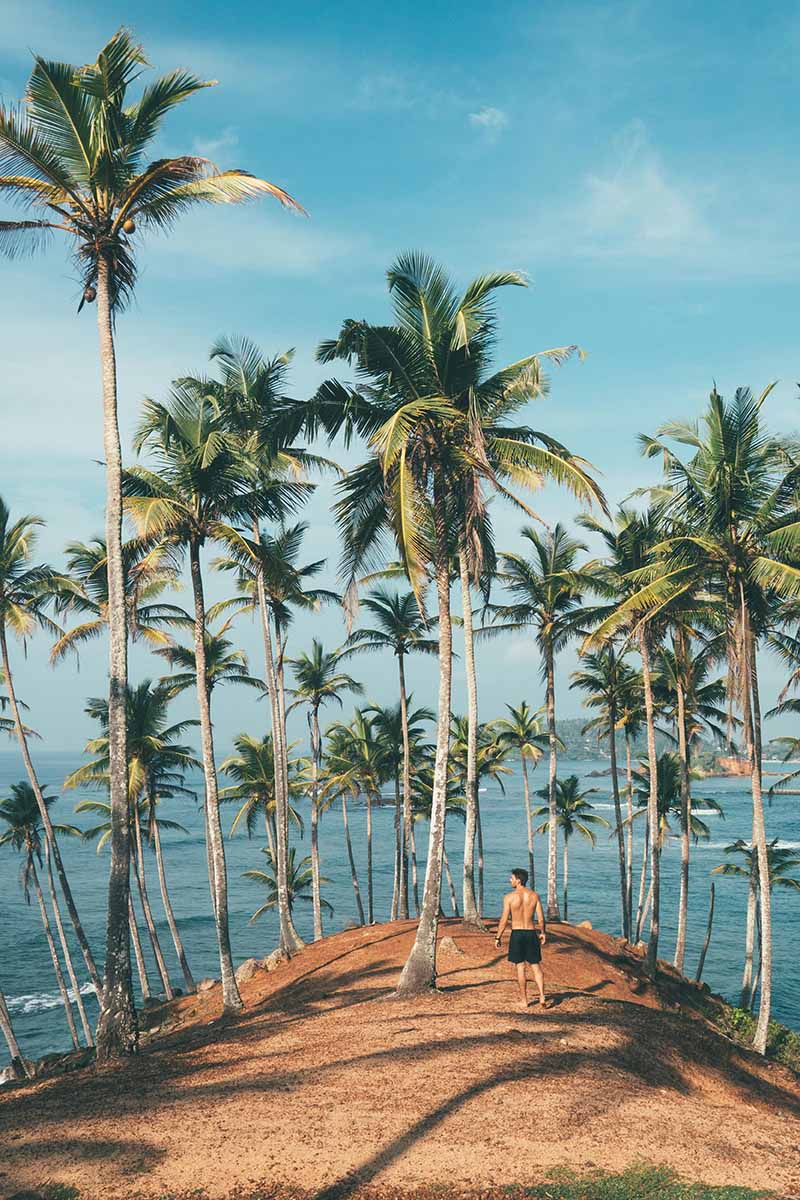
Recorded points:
(636,160)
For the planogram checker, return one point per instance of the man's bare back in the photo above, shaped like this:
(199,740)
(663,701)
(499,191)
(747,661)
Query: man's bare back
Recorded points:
(522,910)
(524,907)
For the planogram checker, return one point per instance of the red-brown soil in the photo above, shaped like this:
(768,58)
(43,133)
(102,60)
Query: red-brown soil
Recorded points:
(327,1084)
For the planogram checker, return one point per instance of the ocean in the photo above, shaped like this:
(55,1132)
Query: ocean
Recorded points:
(26,974)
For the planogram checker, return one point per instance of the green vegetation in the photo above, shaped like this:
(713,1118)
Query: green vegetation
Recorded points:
(637,1183)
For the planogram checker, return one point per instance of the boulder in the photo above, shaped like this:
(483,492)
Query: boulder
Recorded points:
(585,925)
(205,985)
(247,970)
(449,945)
(275,960)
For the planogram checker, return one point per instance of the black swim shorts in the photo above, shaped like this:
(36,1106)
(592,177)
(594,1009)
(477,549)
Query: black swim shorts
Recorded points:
(524,946)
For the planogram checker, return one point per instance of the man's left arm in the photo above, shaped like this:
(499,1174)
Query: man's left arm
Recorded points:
(503,921)
(539,916)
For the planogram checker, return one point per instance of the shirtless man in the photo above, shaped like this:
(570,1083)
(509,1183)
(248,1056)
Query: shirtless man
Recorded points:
(522,907)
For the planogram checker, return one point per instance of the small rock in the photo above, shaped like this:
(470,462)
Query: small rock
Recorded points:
(562,1041)
(585,925)
(449,945)
(275,960)
(205,985)
(640,949)
(247,970)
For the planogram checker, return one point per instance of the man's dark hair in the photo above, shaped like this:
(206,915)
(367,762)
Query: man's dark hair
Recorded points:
(521,874)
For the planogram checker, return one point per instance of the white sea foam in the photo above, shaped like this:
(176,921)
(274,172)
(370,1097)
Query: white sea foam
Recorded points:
(41,1001)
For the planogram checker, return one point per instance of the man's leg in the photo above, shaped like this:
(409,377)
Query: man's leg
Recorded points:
(522,982)
(538,978)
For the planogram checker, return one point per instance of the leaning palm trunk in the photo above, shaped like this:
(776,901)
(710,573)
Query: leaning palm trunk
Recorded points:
(352,861)
(469,902)
(315,868)
(7,1030)
(408,819)
(629,791)
(76,990)
(290,940)
(398,849)
(51,946)
(612,747)
(419,972)
(652,802)
(702,960)
(529,820)
(686,819)
(117,1031)
(643,879)
(479,832)
(552,820)
(760,845)
(47,825)
(144,900)
(138,955)
(370,890)
(168,910)
(231,999)
(451,887)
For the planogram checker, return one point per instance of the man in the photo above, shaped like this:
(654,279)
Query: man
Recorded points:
(523,908)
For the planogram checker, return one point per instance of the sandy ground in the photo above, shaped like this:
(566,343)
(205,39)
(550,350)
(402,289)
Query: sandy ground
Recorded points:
(328,1084)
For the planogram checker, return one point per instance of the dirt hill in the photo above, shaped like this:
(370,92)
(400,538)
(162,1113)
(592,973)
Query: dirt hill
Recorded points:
(328,1085)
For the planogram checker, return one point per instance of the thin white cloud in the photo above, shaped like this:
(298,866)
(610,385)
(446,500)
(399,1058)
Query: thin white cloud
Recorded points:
(210,147)
(492,121)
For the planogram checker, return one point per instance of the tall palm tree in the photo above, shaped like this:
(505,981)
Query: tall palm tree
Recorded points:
(545,590)
(574,815)
(733,531)
(19,814)
(299,882)
(398,625)
(199,483)
(603,678)
(76,156)
(318,681)
(157,764)
(25,592)
(522,731)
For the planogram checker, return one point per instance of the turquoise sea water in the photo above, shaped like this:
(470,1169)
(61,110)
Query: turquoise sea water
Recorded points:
(26,973)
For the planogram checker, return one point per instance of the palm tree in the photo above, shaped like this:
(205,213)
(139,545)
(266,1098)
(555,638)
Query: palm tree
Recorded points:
(317,682)
(603,678)
(399,626)
(76,155)
(19,814)
(7,1029)
(25,591)
(298,881)
(253,769)
(157,764)
(781,861)
(546,593)
(734,532)
(574,815)
(522,732)
(199,484)
(338,779)
(489,763)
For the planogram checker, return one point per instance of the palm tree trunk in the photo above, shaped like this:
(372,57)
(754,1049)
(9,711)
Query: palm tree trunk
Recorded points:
(414,872)
(479,832)
(144,899)
(398,849)
(168,910)
(141,966)
(750,937)
(7,1030)
(686,814)
(529,820)
(353,872)
(469,903)
(281,692)
(290,940)
(760,845)
(47,824)
(370,905)
(759,961)
(232,1001)
(407,832)
(117,1031)
(612,748)
(629,789)
(450,885)
(552,820)
(566,878)
(652,802)
(698,975)
(51,946)
(643,880)
(316,889)
(419,972)
(76,991)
